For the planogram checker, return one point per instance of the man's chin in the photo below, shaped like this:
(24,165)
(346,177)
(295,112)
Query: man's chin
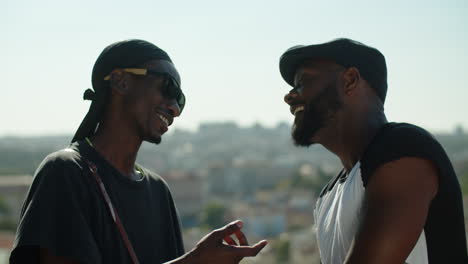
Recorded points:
(301,138)
(303,142)
(154,139)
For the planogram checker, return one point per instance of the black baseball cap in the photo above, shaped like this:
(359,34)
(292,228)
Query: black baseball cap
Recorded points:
(346,52)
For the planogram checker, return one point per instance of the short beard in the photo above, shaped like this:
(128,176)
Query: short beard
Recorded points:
(317,113)
(154,140)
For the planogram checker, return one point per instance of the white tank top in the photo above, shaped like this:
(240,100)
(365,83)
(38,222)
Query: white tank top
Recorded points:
(337,217)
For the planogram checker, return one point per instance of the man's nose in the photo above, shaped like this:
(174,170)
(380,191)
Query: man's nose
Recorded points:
(174,108)
(289,97)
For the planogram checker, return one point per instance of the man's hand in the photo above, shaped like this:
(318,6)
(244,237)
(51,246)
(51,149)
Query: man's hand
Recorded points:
(211,249)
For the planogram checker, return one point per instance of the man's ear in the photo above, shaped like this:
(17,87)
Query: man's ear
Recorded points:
(351,77)
(119,82)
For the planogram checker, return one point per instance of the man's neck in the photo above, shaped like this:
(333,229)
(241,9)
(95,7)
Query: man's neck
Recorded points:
(352,138)
(119,149)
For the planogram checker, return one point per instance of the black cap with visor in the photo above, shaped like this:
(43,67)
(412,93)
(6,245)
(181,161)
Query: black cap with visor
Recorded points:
(346,52)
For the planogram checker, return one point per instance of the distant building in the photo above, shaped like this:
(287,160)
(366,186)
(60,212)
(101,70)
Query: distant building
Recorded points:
(300,210)
(188,192)
(459,130)
(260,220)
(13,190)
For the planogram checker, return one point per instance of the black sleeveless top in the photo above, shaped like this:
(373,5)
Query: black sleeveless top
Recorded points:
(445,237)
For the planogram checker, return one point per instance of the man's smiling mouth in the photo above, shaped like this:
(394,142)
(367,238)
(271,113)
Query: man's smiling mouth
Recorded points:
(298,109)
(166,122)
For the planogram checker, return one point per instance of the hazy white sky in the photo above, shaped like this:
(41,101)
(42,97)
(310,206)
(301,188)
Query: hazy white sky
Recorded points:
(227,53)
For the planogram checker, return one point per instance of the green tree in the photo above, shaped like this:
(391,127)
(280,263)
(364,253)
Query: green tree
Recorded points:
(213,215)
(7,225)
(464,182)
(4,208)
(282,250)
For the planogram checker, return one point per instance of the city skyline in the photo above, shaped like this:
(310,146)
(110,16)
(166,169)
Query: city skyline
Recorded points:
(227,54)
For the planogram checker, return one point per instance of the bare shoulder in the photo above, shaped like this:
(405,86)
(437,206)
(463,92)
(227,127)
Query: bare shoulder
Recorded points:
(408,176)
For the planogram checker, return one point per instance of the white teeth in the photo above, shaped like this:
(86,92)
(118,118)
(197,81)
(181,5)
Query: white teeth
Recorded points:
(164,120)
(298,109)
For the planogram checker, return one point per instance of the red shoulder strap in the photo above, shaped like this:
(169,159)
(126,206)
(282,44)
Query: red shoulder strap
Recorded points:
(112,211)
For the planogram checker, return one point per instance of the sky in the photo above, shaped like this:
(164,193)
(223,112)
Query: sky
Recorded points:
(227,53)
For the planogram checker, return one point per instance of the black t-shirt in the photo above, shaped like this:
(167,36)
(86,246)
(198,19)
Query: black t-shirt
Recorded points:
(65,212)
(342,198)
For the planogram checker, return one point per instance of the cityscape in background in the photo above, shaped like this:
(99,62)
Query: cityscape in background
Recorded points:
(217,174)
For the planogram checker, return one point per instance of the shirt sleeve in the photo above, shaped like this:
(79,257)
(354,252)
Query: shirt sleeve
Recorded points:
(399,142)
(54,215)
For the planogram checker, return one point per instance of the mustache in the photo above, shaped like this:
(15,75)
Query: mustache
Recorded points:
(318,111)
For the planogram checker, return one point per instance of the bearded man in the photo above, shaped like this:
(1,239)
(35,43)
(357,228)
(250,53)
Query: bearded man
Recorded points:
(397,199)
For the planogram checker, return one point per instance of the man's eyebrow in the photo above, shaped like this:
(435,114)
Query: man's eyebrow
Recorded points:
(309,73)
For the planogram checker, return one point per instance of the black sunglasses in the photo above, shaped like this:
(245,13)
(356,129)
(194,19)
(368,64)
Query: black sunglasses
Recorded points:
(170,89)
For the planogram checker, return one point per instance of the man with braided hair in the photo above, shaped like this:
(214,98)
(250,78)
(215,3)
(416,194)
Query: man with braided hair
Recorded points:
(90,203)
